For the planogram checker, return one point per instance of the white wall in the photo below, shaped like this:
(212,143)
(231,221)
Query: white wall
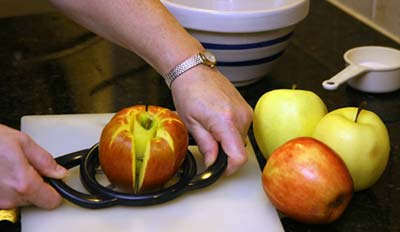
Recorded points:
(383,15)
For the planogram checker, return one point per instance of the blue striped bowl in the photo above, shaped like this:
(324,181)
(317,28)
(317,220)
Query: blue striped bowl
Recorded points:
(247,37)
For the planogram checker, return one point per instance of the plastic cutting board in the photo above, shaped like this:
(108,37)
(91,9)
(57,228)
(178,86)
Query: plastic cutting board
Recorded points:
(235,203)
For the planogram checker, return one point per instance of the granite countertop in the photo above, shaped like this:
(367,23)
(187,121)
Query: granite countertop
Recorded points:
(49,65)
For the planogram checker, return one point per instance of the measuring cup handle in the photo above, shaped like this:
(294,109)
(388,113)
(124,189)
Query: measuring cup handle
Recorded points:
(346,74)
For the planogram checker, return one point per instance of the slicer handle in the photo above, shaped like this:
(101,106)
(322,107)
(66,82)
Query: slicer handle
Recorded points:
(91,201)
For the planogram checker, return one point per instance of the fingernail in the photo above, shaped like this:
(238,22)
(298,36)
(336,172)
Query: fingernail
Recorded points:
(208,160)
(61,171)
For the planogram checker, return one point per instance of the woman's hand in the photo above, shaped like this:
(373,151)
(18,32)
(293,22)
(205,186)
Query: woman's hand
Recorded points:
(214,112)
(22,163)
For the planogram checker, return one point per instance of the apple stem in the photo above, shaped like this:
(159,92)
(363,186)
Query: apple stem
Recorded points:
(147,123)
(145,120)
(294,86)
(362,106)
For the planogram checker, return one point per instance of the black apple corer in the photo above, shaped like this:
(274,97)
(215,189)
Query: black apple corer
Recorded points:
(101,196)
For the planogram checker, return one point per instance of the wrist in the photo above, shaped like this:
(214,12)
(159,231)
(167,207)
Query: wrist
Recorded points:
(202,58)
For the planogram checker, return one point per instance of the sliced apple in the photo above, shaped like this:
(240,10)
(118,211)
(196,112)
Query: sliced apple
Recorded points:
(142,148)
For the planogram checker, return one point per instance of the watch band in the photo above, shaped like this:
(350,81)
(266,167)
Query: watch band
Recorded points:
(204,57)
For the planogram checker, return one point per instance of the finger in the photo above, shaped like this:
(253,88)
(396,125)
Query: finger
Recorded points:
(46,197)
(41,160)
(39,193)
(206,144)
(233,145)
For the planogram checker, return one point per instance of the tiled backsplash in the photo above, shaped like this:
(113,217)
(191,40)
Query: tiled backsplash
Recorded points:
(383,15)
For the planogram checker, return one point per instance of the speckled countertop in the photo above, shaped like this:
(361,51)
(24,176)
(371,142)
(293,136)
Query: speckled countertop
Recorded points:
(48,65)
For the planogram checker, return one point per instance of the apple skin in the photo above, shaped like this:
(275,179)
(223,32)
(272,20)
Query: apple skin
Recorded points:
(163,146)
(363,145)
(307,181)
(284,114)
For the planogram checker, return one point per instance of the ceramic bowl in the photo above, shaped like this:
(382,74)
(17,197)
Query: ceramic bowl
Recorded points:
(247,37)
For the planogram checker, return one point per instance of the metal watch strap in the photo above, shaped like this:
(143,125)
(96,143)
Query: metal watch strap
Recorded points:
(185,66)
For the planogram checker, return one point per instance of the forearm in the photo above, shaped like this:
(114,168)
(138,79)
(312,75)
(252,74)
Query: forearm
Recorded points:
(142,26)
(211,107)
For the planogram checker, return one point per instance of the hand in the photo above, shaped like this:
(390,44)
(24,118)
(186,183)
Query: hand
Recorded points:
(22,162)
(214,111)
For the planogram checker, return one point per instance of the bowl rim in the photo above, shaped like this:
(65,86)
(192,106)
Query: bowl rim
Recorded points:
(295,3)
(245,21)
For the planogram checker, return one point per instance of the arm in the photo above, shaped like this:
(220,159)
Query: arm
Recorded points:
(144,27)
(149,30)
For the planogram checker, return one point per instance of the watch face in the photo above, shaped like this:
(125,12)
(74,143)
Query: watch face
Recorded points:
(210,57)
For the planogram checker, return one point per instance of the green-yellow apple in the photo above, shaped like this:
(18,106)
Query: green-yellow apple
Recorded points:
(284,114)
(362,141)
(142,147)
(307,181)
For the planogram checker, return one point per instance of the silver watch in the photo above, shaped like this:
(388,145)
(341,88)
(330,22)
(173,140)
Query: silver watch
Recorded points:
(204,57)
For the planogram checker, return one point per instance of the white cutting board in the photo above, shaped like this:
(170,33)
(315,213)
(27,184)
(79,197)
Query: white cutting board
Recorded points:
(235,203)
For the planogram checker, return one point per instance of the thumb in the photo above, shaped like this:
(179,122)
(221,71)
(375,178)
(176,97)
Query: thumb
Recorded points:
(207,145)
(42,161)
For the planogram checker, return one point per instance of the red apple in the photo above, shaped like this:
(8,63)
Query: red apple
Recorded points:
(307,181)
(141,147)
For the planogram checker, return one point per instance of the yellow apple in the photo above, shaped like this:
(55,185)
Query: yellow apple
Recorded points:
(361,139)
(284,114)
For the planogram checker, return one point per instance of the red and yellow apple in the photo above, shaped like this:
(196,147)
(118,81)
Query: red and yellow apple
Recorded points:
(141,147)
(307,181)
(360,137)
(284,114)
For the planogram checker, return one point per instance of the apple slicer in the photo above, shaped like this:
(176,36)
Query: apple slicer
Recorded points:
(102,194)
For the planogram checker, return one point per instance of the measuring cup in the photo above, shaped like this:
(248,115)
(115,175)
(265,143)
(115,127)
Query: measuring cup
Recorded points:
(372,69)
